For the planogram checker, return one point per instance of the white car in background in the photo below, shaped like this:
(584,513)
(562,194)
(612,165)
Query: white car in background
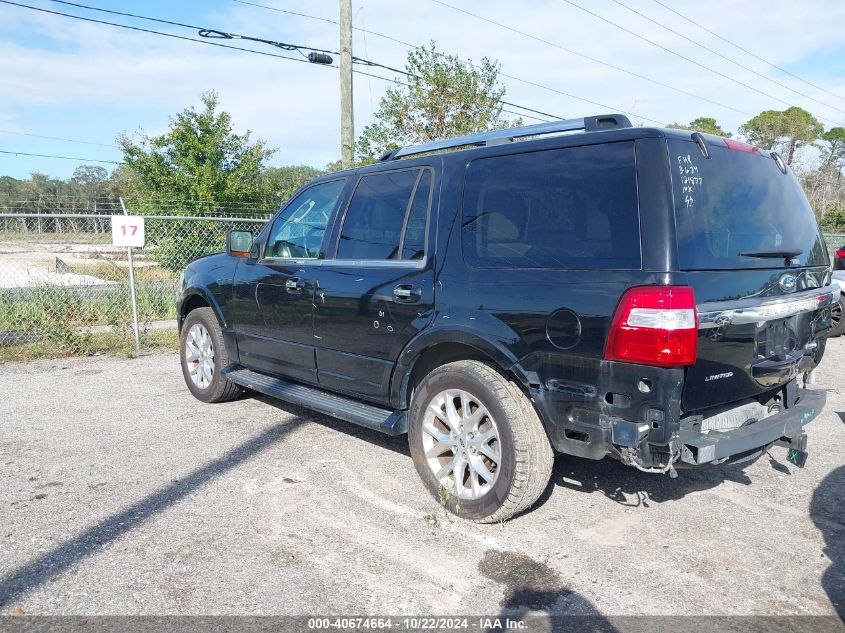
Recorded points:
(837,323)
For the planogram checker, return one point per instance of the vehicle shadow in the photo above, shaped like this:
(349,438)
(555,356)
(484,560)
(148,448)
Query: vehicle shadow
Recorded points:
(535,594)
(398,444)
(630,487)
(827,509)
(52,563)
(553,611)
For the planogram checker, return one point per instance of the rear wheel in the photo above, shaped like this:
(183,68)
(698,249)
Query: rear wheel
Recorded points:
(203,355)
(477,442)
(837,323)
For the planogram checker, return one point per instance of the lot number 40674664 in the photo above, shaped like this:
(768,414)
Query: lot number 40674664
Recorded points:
(127,230)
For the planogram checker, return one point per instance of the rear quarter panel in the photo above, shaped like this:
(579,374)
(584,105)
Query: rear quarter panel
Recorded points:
(518,313)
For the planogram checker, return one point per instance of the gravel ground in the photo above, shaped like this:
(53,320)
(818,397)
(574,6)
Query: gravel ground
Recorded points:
(121,494)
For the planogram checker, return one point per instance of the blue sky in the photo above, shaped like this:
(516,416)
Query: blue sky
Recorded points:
(66,78)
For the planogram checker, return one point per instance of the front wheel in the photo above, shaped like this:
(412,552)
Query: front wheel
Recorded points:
(204,356)
(477,442)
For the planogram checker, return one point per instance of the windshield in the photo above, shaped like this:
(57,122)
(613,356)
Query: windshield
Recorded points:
(737,210)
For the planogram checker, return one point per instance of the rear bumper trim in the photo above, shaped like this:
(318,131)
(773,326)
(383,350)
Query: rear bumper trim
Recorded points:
(712,315)
(699,448)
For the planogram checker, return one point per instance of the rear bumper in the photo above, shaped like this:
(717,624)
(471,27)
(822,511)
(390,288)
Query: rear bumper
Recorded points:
(701,448)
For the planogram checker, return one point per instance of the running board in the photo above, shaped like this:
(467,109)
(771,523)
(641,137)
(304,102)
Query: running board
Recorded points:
(373,417)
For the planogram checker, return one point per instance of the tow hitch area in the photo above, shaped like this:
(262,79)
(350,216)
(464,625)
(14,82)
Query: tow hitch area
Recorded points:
(796,449)
(785,428)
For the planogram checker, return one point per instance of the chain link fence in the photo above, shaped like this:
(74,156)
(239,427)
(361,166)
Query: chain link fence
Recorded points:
(62,282)
(834,242)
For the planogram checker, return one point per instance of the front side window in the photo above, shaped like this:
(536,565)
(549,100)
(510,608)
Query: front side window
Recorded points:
(298,231)
(386,217)
(571,208)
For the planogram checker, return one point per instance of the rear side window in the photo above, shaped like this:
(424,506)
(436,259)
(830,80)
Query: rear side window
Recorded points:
(386,218)
(572,208)
(738,202)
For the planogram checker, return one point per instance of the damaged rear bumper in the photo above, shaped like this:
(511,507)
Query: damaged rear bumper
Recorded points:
(702,448)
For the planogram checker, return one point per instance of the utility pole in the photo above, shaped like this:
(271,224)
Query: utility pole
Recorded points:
(347,130)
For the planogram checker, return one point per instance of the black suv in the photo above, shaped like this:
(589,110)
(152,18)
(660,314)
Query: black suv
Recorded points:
(655,295)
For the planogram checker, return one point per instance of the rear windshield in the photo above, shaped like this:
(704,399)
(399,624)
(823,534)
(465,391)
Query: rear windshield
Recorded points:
(739,202)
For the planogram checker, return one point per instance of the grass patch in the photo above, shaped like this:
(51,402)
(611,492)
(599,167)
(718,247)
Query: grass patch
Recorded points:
(108,271)
(58,238)
(56,310)
(117,343)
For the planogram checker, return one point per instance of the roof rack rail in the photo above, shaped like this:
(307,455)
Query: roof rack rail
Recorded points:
(506,135)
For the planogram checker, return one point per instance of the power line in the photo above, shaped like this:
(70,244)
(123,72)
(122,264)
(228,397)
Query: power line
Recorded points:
(718,54)
(747,52)
(592,59)
(302,15)
(684,57)
(84,160)
(408,45)
(506,75)
(58,138)
(204,32)
(321,19)
(218,34)
(513,105)
(137,28)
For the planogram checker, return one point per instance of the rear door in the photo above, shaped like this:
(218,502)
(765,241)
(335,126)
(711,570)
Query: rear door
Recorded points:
(375,290)
(749,241)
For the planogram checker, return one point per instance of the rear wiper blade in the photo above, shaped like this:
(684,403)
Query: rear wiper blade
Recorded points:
(785,253)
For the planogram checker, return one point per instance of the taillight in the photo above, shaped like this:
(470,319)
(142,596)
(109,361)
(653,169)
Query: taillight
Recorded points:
(840,252)
(655,325)
(739,146)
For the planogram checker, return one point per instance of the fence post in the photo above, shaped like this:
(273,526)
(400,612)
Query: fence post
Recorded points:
(132,289)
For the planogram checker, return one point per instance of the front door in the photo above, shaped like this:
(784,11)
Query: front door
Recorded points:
(274,294)
(376,290)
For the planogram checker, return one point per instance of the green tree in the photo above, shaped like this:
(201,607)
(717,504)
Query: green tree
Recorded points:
(281,182)
(787,131)
(441,97)
(202,165)
(199,162)
(703,124)
(834,152)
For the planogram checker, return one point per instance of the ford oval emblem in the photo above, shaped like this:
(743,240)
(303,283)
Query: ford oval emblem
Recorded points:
(788,283)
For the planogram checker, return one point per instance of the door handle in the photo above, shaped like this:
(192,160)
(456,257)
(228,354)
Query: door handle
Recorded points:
(294,284)
(406,292)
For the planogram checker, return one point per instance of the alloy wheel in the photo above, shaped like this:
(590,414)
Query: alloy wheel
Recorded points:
(199,355)
(461,443)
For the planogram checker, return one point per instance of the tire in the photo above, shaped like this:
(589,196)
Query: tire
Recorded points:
(213,359)
(507,428)
(837,312)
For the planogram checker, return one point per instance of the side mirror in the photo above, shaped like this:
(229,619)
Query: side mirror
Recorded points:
(238,243)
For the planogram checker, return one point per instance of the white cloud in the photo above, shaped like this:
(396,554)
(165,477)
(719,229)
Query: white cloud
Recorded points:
(107,80)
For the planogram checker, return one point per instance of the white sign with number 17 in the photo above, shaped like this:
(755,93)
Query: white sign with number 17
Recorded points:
(127,230)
